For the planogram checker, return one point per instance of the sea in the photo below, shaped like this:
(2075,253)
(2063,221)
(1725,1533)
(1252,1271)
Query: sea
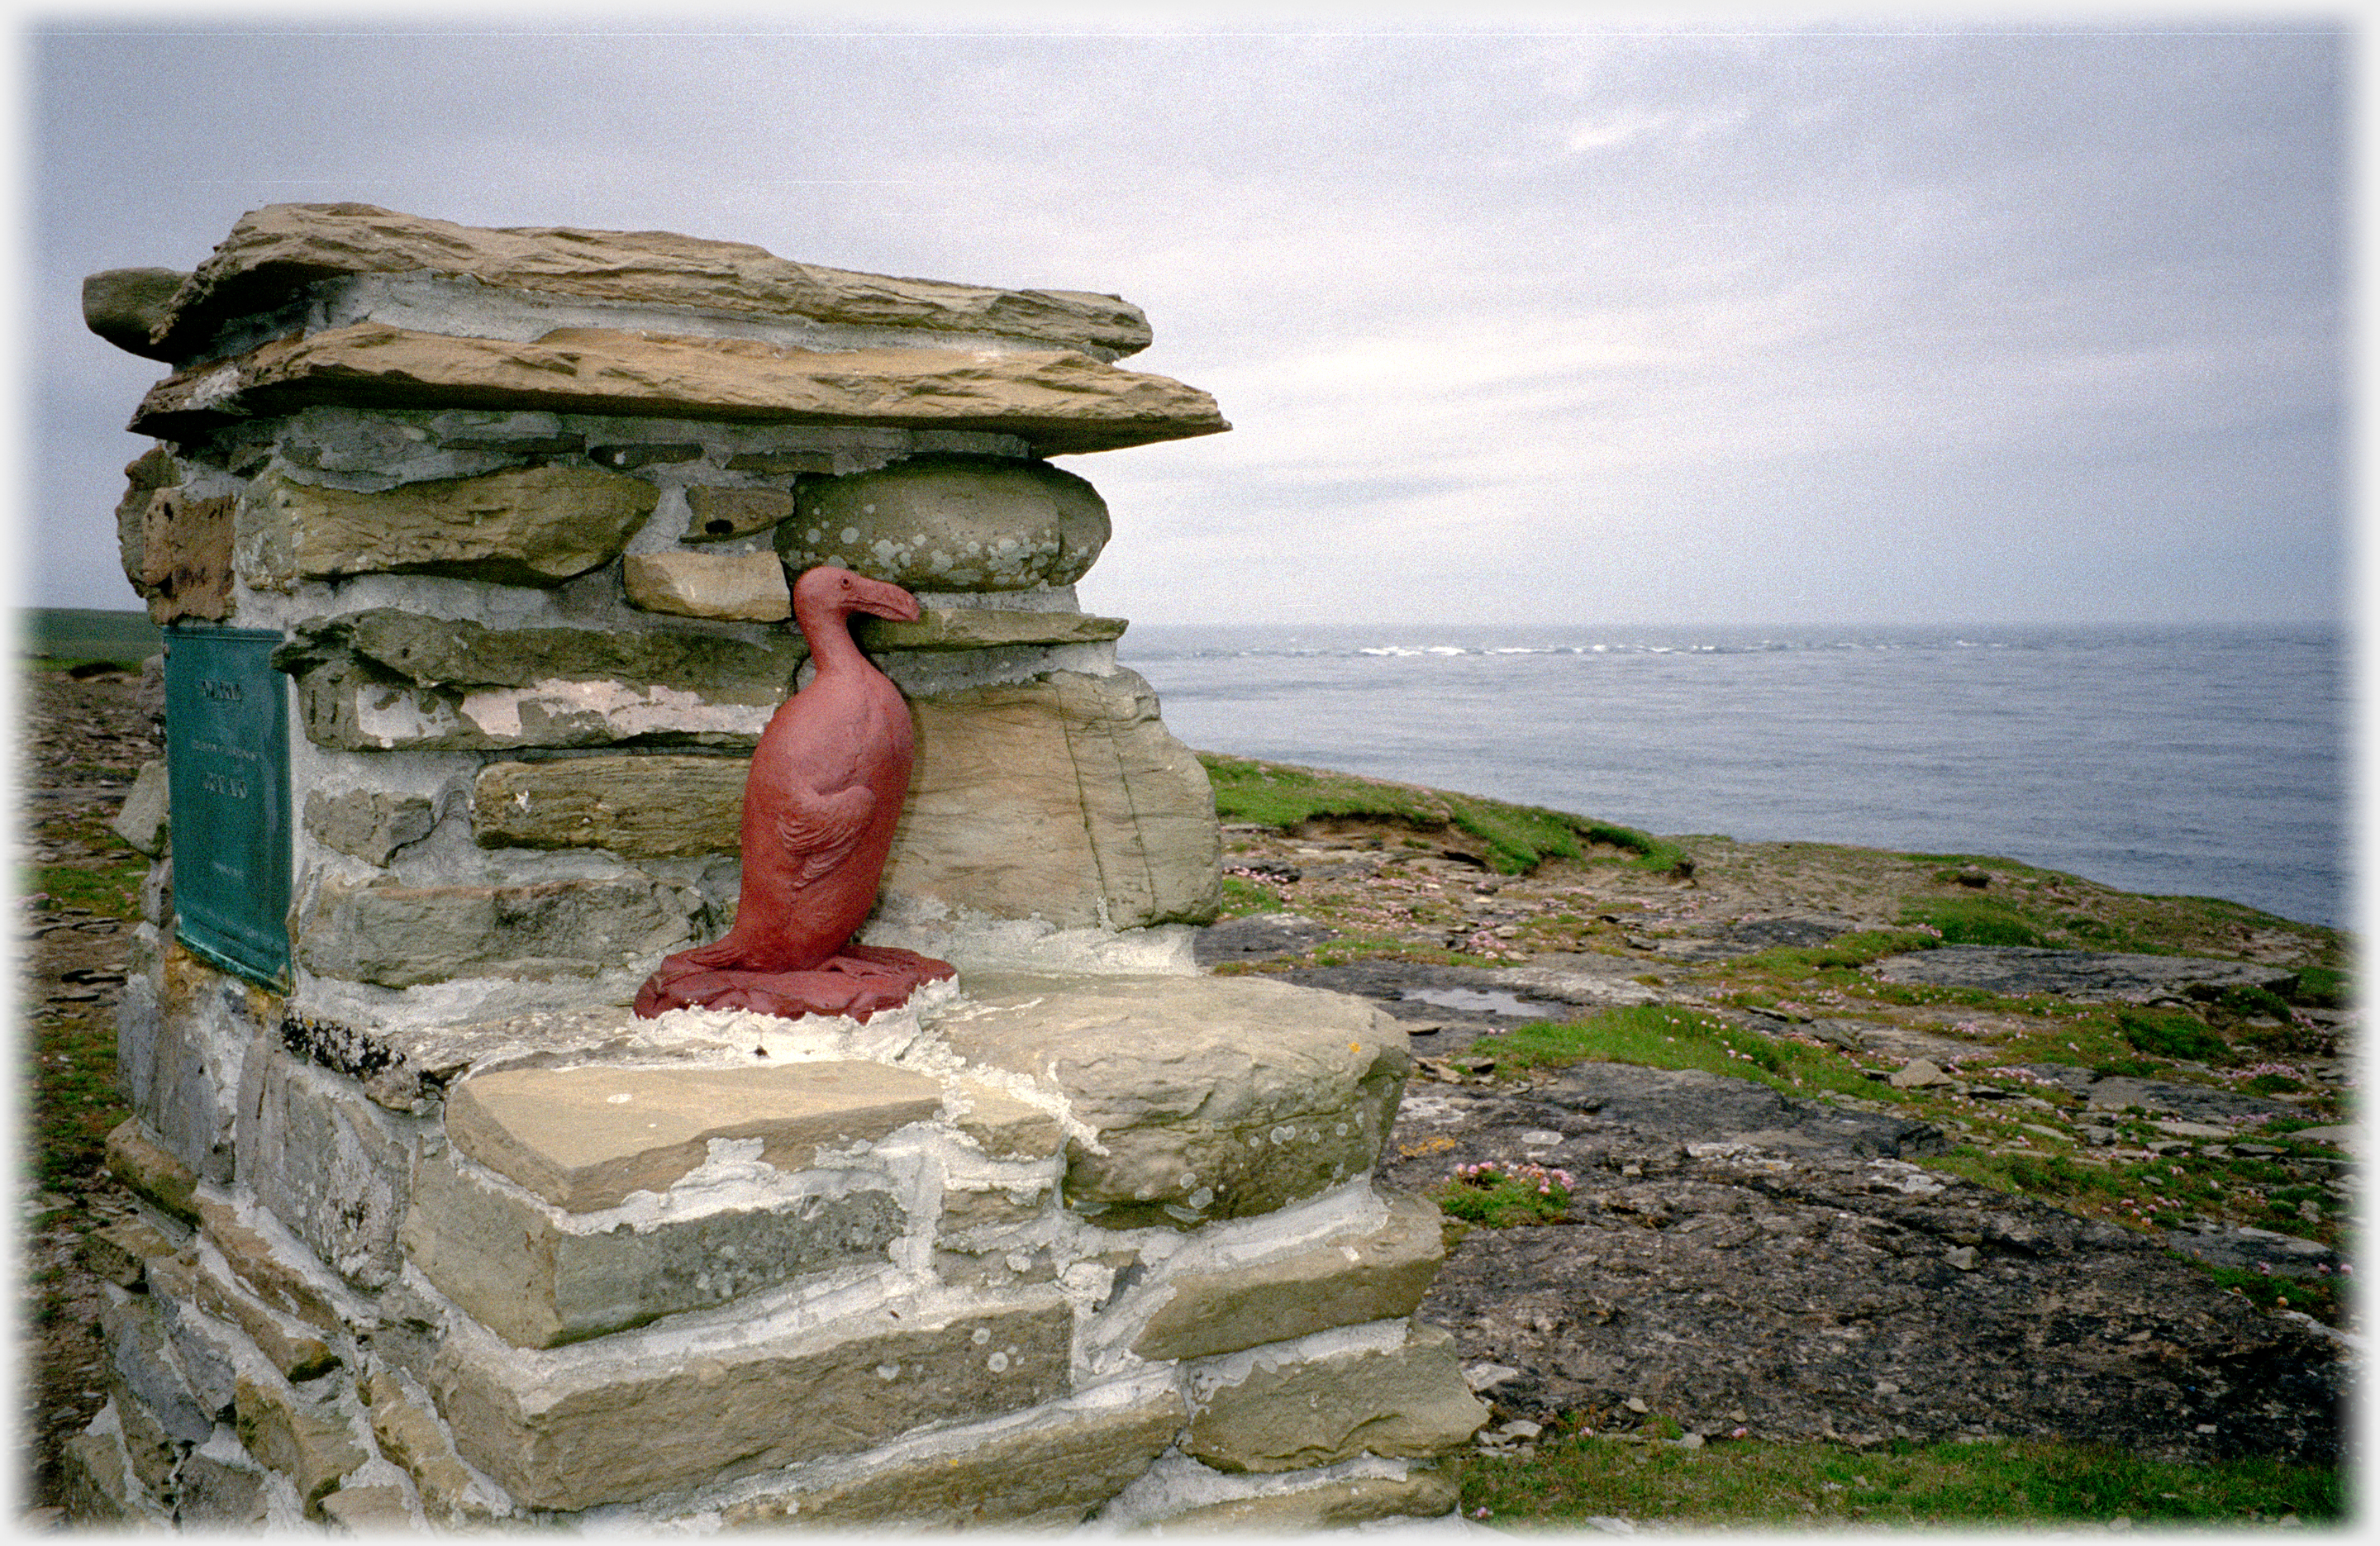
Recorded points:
(2209,761)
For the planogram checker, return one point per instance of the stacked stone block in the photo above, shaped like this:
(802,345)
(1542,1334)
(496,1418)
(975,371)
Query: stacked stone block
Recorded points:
(434,1232)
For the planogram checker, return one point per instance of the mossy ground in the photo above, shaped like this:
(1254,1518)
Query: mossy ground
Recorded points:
(1996,1484)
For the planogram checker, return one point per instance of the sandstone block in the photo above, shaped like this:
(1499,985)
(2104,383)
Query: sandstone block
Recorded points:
(150,1172)
(949,628)
(645,453)
(401,935)
(565,1433)
(354,1510)
(715,514)
(653,807)
(1378,1275)
(1058,401)
(146,819)
(368,823)
(1211,1097)
(1408,1402)
(120,1252)
(217,1494)
(780,464)
(385,680)
(585,1138)
(311,1444)
(142,1368)
(736,588)
(1063,798)
(153,1452)
(514,1268)
(519,526)
(186,557)
(950,523)
(1006,1127)
(1330,1506)
(326,1163)
(410,1435)
(126,306)
(274,251)
(143,475)
(269,1273)
(1048,1475)
(99,1486)
(288,1342)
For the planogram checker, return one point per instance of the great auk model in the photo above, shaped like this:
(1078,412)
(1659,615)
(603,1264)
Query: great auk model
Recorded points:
(820,806)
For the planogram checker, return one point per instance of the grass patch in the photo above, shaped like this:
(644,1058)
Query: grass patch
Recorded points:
(1970,921)
(1992,1482)
(1242,896)
(2170,1034)
(1502,1196)
(1659,1036)
(1517,839)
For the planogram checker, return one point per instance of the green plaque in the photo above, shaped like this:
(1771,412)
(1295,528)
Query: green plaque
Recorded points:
(227,775)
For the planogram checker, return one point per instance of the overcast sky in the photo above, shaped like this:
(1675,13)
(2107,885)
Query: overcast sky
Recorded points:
(1532,319)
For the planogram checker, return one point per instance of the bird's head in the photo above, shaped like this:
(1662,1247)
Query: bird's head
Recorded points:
(828,588)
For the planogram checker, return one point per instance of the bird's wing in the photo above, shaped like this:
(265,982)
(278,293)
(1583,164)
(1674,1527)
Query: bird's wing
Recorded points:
(820,829)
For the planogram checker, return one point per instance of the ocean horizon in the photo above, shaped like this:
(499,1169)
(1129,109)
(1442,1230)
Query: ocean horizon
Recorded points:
(2206,760)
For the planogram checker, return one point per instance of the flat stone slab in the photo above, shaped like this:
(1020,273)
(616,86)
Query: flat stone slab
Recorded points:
(1058,401)
(2203,1103)
(585,1138)
(1687,1105)
(2256,1250)
(2092,975)
(1048,1472)
(1205,1097)
(604,1422)
(1378,1274)
(1406,1402)
(273,252)
(513,1267)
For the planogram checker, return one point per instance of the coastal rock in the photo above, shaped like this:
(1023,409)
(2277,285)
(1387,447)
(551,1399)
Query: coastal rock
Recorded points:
(519,526)
(1058,401)
(735,588)
(2090,976)
(950,522)
(1722,1267)
(273,253)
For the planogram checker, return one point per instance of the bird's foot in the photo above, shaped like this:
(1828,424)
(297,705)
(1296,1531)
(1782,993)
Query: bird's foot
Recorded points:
(858,981)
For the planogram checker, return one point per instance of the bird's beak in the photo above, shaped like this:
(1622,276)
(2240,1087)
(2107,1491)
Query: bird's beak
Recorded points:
(883,600)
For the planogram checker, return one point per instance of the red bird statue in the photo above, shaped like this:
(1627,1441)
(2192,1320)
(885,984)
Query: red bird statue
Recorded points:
(820,806)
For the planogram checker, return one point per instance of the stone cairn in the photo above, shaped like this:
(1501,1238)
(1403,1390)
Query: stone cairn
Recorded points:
(472,545)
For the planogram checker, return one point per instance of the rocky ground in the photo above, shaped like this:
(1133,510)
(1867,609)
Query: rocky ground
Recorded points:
(1988,1211)
(85,740)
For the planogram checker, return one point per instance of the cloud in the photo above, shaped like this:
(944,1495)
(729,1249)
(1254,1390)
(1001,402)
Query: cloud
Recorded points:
(1716,323)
